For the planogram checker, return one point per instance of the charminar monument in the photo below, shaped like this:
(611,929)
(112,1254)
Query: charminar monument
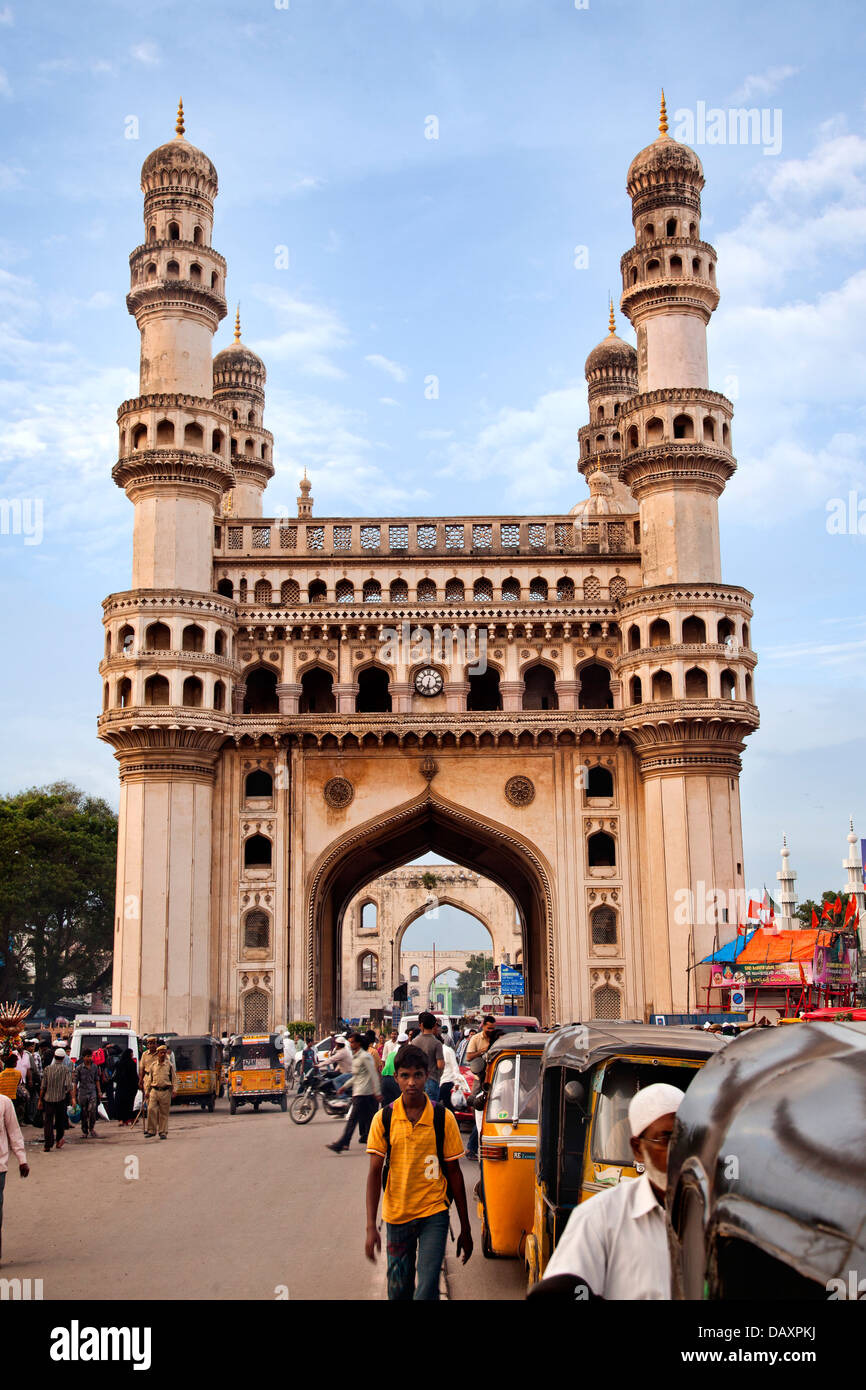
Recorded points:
(299,705)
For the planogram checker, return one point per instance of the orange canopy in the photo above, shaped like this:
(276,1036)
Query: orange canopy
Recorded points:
(784,945)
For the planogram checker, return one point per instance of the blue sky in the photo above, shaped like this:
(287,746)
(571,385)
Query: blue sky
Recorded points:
(454,256)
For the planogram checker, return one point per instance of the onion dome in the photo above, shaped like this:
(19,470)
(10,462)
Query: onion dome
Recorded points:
(613,360)
(606,498)
(237,365)
(665,164)
(179,165)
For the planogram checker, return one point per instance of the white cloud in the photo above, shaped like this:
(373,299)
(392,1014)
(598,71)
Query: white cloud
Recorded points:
(11,177)
(763,84)
(145,52)
(386,365)
(312,334)
(5,87)
(6,15)
(388,400)
(435,434)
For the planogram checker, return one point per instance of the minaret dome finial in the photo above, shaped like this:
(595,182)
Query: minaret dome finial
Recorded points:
(179,128)
(611,321)
(238,324)
(663,116)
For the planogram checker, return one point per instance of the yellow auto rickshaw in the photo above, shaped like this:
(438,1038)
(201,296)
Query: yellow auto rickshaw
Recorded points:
(509,1133)
(256,1072)
(198,1066)
(589,1073)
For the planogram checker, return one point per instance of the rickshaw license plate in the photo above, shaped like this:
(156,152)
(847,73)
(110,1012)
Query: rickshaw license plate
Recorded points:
(523,1153)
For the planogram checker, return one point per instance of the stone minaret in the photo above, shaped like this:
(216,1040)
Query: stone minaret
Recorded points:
(611,376)
(168,667)
(687,662)
(239,386)
(786,921)
(854,883)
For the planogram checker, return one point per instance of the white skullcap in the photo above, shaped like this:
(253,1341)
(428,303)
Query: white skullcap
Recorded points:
(650,1104)
(402,1037)
(60,1052)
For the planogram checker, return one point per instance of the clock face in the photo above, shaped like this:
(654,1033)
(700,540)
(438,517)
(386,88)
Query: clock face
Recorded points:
(428,681)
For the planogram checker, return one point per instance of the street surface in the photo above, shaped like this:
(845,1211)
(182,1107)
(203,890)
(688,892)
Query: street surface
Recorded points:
(229,1207)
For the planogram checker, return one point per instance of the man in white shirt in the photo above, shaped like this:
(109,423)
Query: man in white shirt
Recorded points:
(10,1138)
(392,1045)
(615,1244)
(366,1094)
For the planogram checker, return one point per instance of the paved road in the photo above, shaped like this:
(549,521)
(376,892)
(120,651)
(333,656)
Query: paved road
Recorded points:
(229,1207)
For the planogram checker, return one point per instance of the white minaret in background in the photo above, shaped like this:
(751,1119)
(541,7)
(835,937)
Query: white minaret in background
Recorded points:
(854,884)
(786,921)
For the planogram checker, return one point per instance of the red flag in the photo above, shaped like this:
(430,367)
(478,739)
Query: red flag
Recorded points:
(850,909)
(837,906)
(814,920)
(802,973)
(753,912)
(825,912)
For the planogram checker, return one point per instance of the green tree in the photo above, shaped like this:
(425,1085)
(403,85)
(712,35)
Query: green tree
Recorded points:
(471,980)
(57,881)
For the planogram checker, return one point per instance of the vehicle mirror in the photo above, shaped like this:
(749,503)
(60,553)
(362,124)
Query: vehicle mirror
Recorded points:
(575,1092)
(506,1067)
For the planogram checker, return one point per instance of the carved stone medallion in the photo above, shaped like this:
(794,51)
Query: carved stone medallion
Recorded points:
(338,792)
(519,791)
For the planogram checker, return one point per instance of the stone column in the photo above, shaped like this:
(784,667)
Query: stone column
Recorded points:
(346,693)
(568,693)
(455,696)
(512,694)
(288,696)
(401,697)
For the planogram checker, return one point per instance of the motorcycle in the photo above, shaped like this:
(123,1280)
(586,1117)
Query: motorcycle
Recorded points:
(318,1085)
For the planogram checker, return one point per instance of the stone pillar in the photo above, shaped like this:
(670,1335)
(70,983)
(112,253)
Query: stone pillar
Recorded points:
(238,692)
(455,696)
(568,693)
(401,697)
(512,694)
(288,696)
(346,693)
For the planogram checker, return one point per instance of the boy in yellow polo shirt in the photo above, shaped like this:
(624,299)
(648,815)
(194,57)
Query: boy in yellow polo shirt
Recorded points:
(416,1198)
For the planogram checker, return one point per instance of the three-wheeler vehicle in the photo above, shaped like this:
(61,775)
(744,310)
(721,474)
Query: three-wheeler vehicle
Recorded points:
(198,1068)
(509,1134)
(766,1178)
(589,1073)
(256,1072)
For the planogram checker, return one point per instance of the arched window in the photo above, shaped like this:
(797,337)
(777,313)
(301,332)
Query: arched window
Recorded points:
(599,781)
(368,971)
(257,852)
(263,593)
(125,640)
(696,265)
(150,271)
(173,231)
(676,265)
(606,1002)
(249,448)
(696,684)
(539,688)
(413,972)
(151,233)
(724,630)
(260,692)
(660,633)
(369,917)
(694,631)
(649,231)
(257,930)
(511,590)
(728,681)
(172,270)
(257,1012)
(482,591)
(219,695)
(156,691)
(632,437)
(214,281)
(454,591)
(317,591)
(317,692)
(372,591)
(662,686)
(595,691)
(655,430)
(195,273)
(124,693)
(197,236)
(634,638)
(603,925)
(565,589)
(373,696)
(259,783)
(671,227)
(108,644)
(618,587)
(290,591)
(653,267)
(250,418)
(592,588)
(164,433)
(226,588)
(139,437)
(538,590)
(219,643)
(636,692)
(684,427)
(105,696)
(599,414)
(217,440)
(192,692)
(745,634)
(157,638)
(484,692)
(748,687)
(601,850)
(399,591)
(192,639)
(344,591)
(426,591)
(242,591)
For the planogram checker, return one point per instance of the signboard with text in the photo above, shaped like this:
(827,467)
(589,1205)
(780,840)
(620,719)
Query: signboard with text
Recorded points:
(511,980)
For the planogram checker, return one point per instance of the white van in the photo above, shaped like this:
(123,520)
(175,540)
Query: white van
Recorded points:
(410,1021)
(105,1031)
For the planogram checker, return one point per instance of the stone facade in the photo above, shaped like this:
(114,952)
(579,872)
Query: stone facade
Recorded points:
(297,706)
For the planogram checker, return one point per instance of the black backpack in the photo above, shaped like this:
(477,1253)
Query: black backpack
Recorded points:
(438,1130)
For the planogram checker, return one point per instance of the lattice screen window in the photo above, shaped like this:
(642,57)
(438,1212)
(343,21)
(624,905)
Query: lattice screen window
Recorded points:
(537,534)
(592,587)
(263,592)
(603,922)
(242,591)
(618,587)
(453,537)
(399,591)
(398,537)
(342,537)
(589,532)
(315,537)
(538,590)
(288,538)
(261,538)
(606,1002)
(236,538)
(509,533)
(290,591)
(426,591)
(483,592)
(257,1014)
(510,591)
(616,535)
(482,536)
(454,590)
(372,591)
(563,533)
(565,590)
(370,538)
(257,930)
(426,537)
(344,591)
(369,971)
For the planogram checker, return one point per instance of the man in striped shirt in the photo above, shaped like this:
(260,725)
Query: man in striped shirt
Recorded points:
(55,1094)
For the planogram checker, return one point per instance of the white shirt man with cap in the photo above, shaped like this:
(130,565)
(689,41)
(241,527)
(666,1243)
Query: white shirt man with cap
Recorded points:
(615,1243)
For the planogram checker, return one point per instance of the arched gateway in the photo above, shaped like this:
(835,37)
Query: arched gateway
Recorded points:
(534,696)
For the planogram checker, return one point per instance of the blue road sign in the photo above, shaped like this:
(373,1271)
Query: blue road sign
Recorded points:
(511,980)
